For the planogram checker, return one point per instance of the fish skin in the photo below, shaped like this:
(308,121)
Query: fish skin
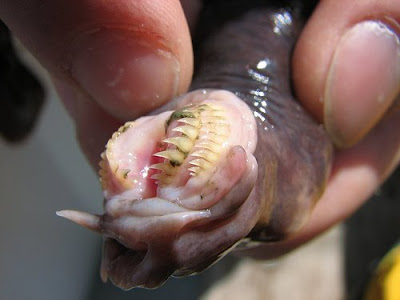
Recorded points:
(246,51)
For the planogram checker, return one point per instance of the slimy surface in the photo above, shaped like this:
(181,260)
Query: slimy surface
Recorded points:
(236,159)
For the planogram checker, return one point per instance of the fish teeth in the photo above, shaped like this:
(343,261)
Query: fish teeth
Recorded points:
(210,145)
(201,163)
(194,171)
(213,113)
(188,130)
(175,157)
(215,120)
(202,130)
(215,138)
(102,164)
(206,154)
(103,174)
(195,122)
(109,145)
(115,135)
(184,144)
(164,179)
(165,168)
(125,127)
(215,129)
(123,173)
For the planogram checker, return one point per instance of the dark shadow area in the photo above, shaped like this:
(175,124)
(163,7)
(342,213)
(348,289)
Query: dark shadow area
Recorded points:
(22,95)
(370,233)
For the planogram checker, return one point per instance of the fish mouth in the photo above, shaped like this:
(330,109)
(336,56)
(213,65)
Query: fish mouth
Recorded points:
(174,155)
(173,185)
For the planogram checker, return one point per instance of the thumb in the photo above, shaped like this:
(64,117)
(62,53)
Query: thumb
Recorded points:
(128,56)
(346,65)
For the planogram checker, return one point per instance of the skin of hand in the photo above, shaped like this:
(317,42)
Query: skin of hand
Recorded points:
(114,61)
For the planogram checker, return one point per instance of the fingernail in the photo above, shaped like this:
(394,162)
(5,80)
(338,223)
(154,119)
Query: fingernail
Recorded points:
(126,76)
(362,82)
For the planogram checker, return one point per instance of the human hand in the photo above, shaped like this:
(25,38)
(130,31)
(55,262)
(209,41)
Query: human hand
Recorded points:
(346,72)
(110,62)
(99,55)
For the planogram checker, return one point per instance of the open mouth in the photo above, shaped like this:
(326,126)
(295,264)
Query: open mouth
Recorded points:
(172,182)
(174,155)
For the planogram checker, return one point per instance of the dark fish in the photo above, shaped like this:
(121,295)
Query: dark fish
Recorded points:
(235,160)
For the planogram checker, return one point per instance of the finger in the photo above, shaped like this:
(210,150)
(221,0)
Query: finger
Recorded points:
(357,174)
(347,65)
(128,56)
(94,126)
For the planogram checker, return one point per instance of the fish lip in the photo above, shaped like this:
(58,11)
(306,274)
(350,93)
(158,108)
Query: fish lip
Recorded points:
(172,173)
(146,235)
(142,250)
(123,259)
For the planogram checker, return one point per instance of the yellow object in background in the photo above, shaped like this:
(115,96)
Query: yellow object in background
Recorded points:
(385,282)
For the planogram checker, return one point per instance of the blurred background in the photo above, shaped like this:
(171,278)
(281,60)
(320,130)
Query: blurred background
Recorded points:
(42,257)
(45,257)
